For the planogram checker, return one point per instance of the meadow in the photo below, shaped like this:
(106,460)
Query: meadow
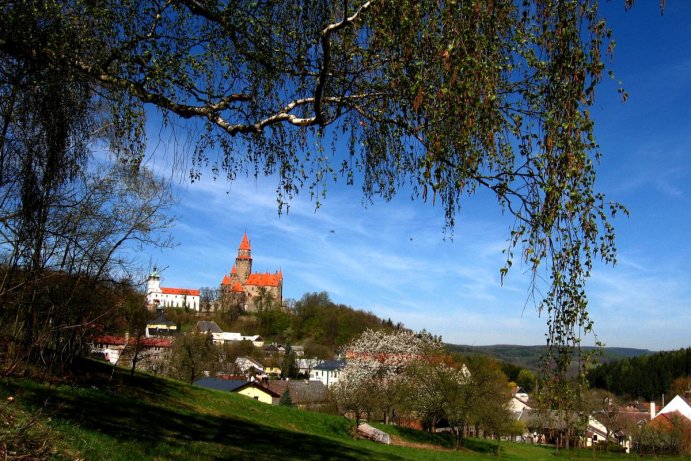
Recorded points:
(102,413)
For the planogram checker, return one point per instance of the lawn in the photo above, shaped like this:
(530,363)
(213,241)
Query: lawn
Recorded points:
(112,416)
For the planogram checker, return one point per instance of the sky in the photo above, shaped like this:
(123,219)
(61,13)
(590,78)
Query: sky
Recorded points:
(395,260)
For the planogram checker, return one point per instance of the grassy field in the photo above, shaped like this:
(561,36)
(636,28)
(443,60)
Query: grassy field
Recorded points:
(149,418)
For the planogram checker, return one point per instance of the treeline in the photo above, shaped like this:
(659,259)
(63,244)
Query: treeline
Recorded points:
(643,377)
(314,321)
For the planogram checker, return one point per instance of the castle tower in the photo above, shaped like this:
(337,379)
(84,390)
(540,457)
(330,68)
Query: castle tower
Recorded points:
(153,289)
(243,262)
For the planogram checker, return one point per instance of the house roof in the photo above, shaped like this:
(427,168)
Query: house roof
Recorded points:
(234,270)
(301,392)
(179,291)
(220,384)
(121,341)
(331,365)
(237,288)
(678,404)
(669,420)
(226,279)
(265,280)
(208,326)
(161,321)
(249,362)
(231,385)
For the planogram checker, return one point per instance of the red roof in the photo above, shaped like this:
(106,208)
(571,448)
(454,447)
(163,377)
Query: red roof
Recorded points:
(226,279)
(179,291)
(265,280)
(669,420)
(234,270)
(120,341)
(237,288)
(245,244)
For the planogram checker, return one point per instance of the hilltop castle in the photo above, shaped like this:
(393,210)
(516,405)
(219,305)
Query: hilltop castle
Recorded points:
(248,289)
(158,297)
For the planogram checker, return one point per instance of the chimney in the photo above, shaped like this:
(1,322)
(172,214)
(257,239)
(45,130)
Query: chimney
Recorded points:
(652,410)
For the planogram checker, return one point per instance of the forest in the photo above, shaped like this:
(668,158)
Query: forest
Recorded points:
(648,376)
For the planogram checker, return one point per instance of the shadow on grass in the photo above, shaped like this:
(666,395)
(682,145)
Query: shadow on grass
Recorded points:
(154,423)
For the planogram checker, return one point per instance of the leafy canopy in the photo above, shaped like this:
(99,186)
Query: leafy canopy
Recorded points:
(439,98)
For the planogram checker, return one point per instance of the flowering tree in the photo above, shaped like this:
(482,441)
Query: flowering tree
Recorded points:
(373,377)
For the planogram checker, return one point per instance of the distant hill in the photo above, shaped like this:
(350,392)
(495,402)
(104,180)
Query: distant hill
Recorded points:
(529,356)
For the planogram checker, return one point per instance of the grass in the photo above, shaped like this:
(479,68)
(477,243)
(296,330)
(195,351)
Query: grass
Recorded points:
(150,418)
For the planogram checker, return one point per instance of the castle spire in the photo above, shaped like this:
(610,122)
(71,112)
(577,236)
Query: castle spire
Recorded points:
(245,244)
(243,262)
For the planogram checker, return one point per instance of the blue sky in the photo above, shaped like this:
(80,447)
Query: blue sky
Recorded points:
(394,260)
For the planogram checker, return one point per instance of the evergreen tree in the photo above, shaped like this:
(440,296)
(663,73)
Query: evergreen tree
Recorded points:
(286,400)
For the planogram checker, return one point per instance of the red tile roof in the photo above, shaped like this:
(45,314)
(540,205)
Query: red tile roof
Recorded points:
(245,244)
(669,420)
(226,279)
(120,341)
(234,270)
(237,288)
(179,291)
(265,280)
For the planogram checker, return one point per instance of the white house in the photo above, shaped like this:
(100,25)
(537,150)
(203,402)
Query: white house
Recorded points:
(221,337)
(227,336)
(160,297)
(519,401)
(676,404)
(246,363)
(328,372)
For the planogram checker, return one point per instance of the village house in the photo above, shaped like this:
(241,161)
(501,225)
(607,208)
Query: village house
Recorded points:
(309,395)
(250,367)
(250,389)
(160,327)
(152,353)
(222,337)
(328,372)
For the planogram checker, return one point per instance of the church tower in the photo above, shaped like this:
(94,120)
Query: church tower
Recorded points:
(153,290)
(243,262)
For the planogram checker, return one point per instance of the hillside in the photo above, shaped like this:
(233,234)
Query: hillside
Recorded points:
(102,415)
(529,356)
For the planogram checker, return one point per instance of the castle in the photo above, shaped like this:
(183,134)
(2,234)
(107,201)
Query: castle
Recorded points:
(247,290)
(158,297)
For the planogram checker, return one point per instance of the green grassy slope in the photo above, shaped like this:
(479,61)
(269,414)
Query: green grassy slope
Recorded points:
(149,418)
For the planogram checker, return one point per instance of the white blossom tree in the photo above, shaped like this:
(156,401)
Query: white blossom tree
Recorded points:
(373,376)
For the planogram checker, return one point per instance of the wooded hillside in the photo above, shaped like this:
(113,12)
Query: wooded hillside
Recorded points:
(647,376)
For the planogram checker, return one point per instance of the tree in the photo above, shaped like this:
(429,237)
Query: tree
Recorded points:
(526,379)
(442,99)
(65,214)
(208,299)
(136,315)
(289,368)
(192,355)
(491,394)
(374,370)
(286,400)
(680,386)
(434,389)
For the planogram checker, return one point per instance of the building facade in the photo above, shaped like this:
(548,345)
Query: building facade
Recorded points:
(248,290)
(158,297)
